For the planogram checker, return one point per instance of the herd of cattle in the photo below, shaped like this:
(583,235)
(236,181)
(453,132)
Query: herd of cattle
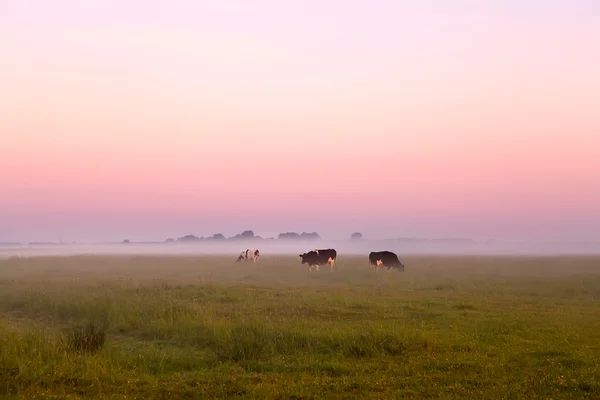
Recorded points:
(316,258)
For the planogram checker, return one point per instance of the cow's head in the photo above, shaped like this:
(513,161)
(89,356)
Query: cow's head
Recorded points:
(307,256)
(372,258)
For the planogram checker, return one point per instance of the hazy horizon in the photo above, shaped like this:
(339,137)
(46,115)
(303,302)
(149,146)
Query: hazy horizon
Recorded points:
(147,120)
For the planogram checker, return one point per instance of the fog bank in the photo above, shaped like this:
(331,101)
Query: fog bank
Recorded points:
(357,247)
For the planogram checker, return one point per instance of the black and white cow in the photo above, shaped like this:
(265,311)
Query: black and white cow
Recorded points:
(387,259)
(248,255)
(316,258)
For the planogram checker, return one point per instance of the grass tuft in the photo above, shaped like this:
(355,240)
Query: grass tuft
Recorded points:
(87,339)
(242,342)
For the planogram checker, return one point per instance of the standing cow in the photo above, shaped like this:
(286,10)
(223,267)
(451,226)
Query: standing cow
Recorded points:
(319,257)
(387,259)
(248,255)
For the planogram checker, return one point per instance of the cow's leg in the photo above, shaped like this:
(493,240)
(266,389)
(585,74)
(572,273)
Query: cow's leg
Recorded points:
(317,267)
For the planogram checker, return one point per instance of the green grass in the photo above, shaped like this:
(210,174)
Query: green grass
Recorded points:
(151,327)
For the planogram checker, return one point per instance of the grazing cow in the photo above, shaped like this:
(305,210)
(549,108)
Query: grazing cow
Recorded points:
(317,258)
(387,259)
(248,255)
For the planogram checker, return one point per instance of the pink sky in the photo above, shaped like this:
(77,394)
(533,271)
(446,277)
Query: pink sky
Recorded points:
(153,119)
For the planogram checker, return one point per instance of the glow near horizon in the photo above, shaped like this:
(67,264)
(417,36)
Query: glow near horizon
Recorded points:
(392,118)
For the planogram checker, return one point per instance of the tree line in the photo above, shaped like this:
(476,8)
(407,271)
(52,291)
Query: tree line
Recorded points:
(249,235)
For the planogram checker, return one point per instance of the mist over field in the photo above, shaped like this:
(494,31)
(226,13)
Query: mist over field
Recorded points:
(267,247)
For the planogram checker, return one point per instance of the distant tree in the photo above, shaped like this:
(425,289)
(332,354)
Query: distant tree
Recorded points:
(356,236)
(126,241)
(218,236)
(295,236)
(170,240)
(244,236)
(310,236)
(288,235)
(189,238)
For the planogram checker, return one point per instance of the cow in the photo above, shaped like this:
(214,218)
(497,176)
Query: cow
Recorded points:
(247,255)
(316,258)
(387,259)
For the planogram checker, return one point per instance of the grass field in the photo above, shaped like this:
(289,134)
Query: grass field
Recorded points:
(204,327)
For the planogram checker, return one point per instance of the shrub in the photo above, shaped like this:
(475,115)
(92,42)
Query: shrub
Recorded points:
(88,339)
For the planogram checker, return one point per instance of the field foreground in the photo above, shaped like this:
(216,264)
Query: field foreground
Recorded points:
(203,327)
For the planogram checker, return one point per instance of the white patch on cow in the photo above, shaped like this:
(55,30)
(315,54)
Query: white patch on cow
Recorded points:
(315,266)
(331,261)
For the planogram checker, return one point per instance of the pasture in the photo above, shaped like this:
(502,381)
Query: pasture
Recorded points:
(174,327)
